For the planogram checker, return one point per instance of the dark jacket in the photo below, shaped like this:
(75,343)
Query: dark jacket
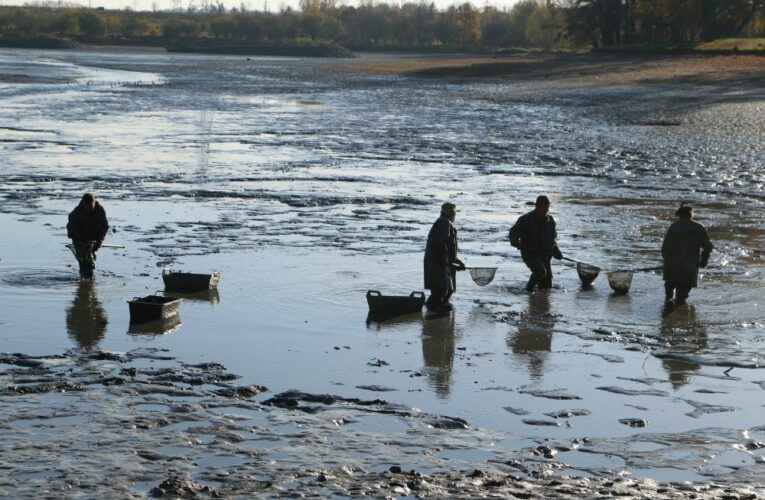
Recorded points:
(440,253)
(84,226)
(535,234)
(686,244)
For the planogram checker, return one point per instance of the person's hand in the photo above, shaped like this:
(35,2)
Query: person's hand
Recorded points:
(97,245)
(557,254)
(460,265)
(703,263)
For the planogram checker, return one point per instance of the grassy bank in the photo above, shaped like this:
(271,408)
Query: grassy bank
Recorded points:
(722,46)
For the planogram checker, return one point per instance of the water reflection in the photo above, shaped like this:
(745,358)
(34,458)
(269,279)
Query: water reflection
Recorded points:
(157,327)
(685,334)
(86,319)
(212,296)
(438,342)
(533,338)
(377,322)
(619,305)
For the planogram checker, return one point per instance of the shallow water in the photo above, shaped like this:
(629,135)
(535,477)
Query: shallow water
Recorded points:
(305,187)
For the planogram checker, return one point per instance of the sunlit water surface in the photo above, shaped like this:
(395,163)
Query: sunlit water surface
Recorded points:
(305,187)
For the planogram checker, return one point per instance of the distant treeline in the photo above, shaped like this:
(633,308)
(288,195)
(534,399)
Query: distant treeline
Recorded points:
(546,24)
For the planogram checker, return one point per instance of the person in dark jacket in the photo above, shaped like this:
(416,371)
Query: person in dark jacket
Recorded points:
(686,248)
(441,262)
(87,228)
(534,234)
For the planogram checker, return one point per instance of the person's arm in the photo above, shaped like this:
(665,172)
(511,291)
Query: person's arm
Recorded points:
(103,228)
(706,248)
(72,228)
(440,235)
(555,250)
(665,245)
(515,233)
(457,261)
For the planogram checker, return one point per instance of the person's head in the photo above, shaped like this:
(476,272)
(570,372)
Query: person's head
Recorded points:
(449,210)
(542,205)
(685,211)
(88,202)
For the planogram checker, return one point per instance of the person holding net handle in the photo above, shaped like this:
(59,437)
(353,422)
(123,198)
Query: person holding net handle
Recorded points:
(534,234)
(87,228)
(441,262)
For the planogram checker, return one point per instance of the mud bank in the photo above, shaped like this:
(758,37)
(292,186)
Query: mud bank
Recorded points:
(136,423)
(593,69)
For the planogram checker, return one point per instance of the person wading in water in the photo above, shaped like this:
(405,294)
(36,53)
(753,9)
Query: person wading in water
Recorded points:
(441,262)
(87,229)
(534,234)
(686,248)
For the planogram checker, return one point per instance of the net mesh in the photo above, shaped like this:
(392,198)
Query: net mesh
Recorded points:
(83,251)
(587,273)
(482,276)
(620,281)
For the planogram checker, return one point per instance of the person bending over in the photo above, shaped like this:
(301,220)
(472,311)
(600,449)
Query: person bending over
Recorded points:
(87,229)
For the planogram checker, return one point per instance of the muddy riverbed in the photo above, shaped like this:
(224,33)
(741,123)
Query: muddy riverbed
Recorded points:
(306,186)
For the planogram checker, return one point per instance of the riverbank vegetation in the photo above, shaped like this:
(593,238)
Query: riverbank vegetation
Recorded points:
(409,26)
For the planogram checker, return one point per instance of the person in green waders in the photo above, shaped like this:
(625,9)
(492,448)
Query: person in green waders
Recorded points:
(87,228)
(686,248)
(441,262)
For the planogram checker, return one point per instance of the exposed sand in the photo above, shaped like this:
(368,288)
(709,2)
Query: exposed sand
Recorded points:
(600,69)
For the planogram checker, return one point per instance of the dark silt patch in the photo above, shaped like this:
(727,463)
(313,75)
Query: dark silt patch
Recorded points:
(568,413)
(633,392)
(549,394)
(701,408)
(539,422)
(516,411)
(169,429)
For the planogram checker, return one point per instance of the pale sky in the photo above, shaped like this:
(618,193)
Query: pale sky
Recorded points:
(273,5)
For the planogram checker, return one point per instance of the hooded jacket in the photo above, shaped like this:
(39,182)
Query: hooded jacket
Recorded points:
(535,234)
(685,246)
(87,226)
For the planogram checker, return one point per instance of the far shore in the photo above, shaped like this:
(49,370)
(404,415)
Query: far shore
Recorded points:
(573,68)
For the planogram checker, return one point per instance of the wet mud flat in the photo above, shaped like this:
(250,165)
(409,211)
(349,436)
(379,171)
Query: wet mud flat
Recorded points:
(142,423)
(306,187)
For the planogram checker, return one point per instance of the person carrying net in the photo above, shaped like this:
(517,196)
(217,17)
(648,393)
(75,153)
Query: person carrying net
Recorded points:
(441,262)
(87,228)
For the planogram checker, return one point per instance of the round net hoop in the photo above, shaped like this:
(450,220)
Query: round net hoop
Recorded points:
(482,276)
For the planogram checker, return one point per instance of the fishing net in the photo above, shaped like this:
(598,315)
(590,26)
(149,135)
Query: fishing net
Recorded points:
(620,281)
(83,252)
(587,273)
(482,276)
